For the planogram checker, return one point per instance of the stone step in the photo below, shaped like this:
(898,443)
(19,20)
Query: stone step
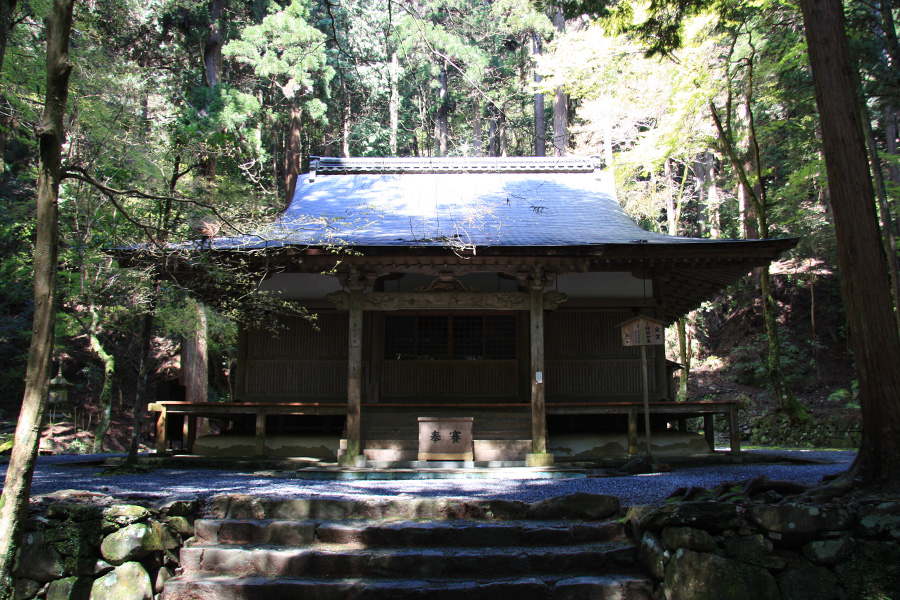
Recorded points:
(584,587)
(472,563)
(405,534)
(587,507)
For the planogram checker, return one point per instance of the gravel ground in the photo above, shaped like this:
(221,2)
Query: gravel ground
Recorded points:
(57,473)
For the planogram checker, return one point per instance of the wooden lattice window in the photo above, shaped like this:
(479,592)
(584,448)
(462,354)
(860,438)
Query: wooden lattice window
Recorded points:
(450,337)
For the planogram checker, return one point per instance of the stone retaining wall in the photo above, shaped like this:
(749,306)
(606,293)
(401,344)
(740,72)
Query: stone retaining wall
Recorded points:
(834,431)
(81,545)
(716,550)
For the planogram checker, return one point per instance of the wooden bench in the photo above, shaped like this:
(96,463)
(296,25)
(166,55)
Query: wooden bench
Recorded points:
(261,410)
(683,410)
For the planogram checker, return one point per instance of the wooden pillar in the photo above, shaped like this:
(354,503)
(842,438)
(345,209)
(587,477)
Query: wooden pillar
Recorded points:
(354,375)
(632,430)
(539,456)
(734,429)
(260,446)
(538,407)
(661,386)
(190,432)
(161,422)
(709,431)
(240,367)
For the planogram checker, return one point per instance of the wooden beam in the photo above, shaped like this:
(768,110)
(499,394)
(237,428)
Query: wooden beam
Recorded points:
(384,301)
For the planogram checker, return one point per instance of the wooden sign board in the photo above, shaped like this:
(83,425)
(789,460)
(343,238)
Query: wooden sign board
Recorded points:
(445,438)
(643,331)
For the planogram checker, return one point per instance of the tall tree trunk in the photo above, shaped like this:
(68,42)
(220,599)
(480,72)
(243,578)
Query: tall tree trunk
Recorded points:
(293,153)
(712,196)
(394,102)
(494,135)
(212,66)
(345,131)
(194,363)
(887,226)
(212,49)
(540,119)
(890,136)
(7,8)
(141,395)
(441,132)
(560,101)
(866,290)
(476,127)
(608,144)
(757,197)
(684,351)
(109,368)
(501,134)
(20,470)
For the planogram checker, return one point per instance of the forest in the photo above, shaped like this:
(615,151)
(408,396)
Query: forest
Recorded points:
(186,120)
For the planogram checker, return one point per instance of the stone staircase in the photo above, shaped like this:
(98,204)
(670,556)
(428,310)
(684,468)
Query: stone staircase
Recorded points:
(254,549)
(499,435)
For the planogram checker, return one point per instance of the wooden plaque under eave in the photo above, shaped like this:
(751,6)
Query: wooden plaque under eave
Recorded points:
(446,438)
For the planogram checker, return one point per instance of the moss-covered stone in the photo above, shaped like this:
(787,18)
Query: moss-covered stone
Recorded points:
(177,506)
(129,581)
(675,538)
(580,505)
(809,582)
(38,560)
(703,576)
(710,516)
(132,542)
(70,588)
(123,515)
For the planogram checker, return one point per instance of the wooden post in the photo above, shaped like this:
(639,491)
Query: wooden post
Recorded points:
(538,408)
(539,456)
(661,376)
(354,375)
(240,367)
(646,404)
(734,429)
(190,432)
(632,431)
(260,448)
(709,431)
(161,431)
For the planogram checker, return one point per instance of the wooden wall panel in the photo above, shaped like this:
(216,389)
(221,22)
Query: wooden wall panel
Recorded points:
(458,379)
(299,362)
(586,358)
(597,378)
(295,380)
(299,340)
(581,334)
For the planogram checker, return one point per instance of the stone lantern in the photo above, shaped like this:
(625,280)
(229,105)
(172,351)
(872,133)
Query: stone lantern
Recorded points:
(58,395)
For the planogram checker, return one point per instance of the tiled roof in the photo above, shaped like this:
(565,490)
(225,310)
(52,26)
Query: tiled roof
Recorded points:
(453,201)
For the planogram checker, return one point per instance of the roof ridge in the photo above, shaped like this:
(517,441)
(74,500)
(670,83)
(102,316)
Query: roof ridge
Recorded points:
(520,164)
